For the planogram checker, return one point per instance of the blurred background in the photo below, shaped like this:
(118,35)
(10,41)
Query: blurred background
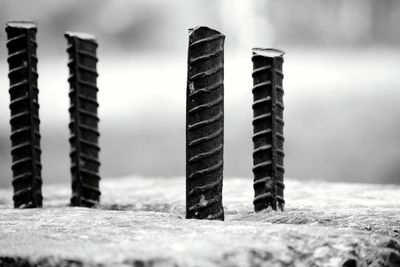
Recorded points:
(342,83)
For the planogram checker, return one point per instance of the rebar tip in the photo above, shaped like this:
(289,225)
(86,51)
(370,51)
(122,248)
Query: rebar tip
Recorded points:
(22,24)
(268,52)
(81,35)
(203,29)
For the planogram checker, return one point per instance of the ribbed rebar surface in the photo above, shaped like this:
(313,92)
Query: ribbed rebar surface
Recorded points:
(205,124)
(24,106)
(268,129)
(83,119)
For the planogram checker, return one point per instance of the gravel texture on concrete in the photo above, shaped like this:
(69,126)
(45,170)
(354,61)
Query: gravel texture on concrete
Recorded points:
(140,222)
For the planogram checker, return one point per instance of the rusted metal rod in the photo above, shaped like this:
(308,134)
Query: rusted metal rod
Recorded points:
(205,124)
(83,119)
(24,106)
(268,124)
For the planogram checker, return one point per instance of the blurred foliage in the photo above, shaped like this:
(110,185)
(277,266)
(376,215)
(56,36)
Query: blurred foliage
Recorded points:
(157,25)
(148,27)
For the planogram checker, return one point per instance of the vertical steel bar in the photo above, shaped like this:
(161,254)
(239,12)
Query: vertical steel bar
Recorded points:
(268,124)
(24,107)
(205,124)
(83,119)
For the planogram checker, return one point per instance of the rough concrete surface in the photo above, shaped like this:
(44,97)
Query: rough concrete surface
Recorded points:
(141,223)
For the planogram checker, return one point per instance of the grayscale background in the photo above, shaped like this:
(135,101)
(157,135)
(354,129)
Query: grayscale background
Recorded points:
(342,83)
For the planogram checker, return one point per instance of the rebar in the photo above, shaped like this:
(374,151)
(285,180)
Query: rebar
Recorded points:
(268,154)
(83,124)
(24,107)
(205,124)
